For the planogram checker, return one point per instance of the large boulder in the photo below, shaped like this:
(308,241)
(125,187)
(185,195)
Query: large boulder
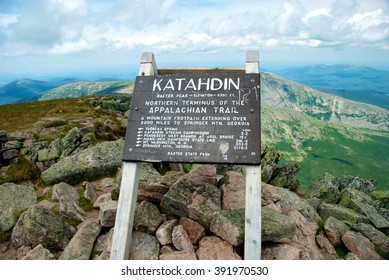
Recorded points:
(362,203)
(276,226)
(229,225)
(13,199)
(81,245)
(195,196)
(379,239)
(360,246)
(39,225)
(341,213)
(101,160)
(68,201)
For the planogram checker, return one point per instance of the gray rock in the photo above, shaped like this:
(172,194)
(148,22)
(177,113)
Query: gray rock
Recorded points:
(181,240)
(147,217)
(229,225)
(39,225)
(192,196)
(39,253)
(101,160)
(107,213)
(90,192)
(382,197)
(328,250)
(51,153)
(68,201)
(71,141)
(364,185)
(363,204)
(164,232)
(63,189)
(13,199)
(144,246)
(81,245)
(276,226)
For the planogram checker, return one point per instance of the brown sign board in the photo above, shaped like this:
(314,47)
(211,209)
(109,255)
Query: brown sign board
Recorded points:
(195,118)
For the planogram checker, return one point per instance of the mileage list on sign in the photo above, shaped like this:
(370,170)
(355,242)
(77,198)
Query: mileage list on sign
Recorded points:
(204,118)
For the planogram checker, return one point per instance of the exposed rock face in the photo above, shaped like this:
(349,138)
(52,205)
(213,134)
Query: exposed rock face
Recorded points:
(97,161)
(39,225)
(107,213)
(81,245)
(194,230)
(375,236)
(341,213)
(13,199)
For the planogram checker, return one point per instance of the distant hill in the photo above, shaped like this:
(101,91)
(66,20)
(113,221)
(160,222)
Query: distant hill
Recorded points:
(359,83)
(88,88)
(24,90)
(286,94)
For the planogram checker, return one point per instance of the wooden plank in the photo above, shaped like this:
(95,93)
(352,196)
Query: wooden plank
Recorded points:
(171,71)
(121,239)
(124,221)
(253,219)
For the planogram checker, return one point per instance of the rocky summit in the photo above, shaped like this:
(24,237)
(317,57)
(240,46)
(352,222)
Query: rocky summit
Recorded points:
(193,215)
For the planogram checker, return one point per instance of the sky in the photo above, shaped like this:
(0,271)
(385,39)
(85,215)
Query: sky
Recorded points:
(97,38)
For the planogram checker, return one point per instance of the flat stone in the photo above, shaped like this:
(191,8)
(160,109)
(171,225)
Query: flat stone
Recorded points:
(233,186)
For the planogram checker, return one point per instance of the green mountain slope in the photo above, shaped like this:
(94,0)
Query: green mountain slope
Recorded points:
(321,146)
(359,83)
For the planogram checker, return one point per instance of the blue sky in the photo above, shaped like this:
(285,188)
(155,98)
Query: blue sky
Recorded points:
(106,37)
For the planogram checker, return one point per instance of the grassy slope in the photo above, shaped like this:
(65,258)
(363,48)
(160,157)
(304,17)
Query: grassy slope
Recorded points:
(326,147)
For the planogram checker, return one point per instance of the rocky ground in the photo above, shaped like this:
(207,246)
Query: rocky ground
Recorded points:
(59,201)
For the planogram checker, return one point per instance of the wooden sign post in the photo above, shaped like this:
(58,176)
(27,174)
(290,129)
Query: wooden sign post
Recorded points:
(194,116)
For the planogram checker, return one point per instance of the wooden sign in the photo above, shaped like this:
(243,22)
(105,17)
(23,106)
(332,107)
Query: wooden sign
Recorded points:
(204,118)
